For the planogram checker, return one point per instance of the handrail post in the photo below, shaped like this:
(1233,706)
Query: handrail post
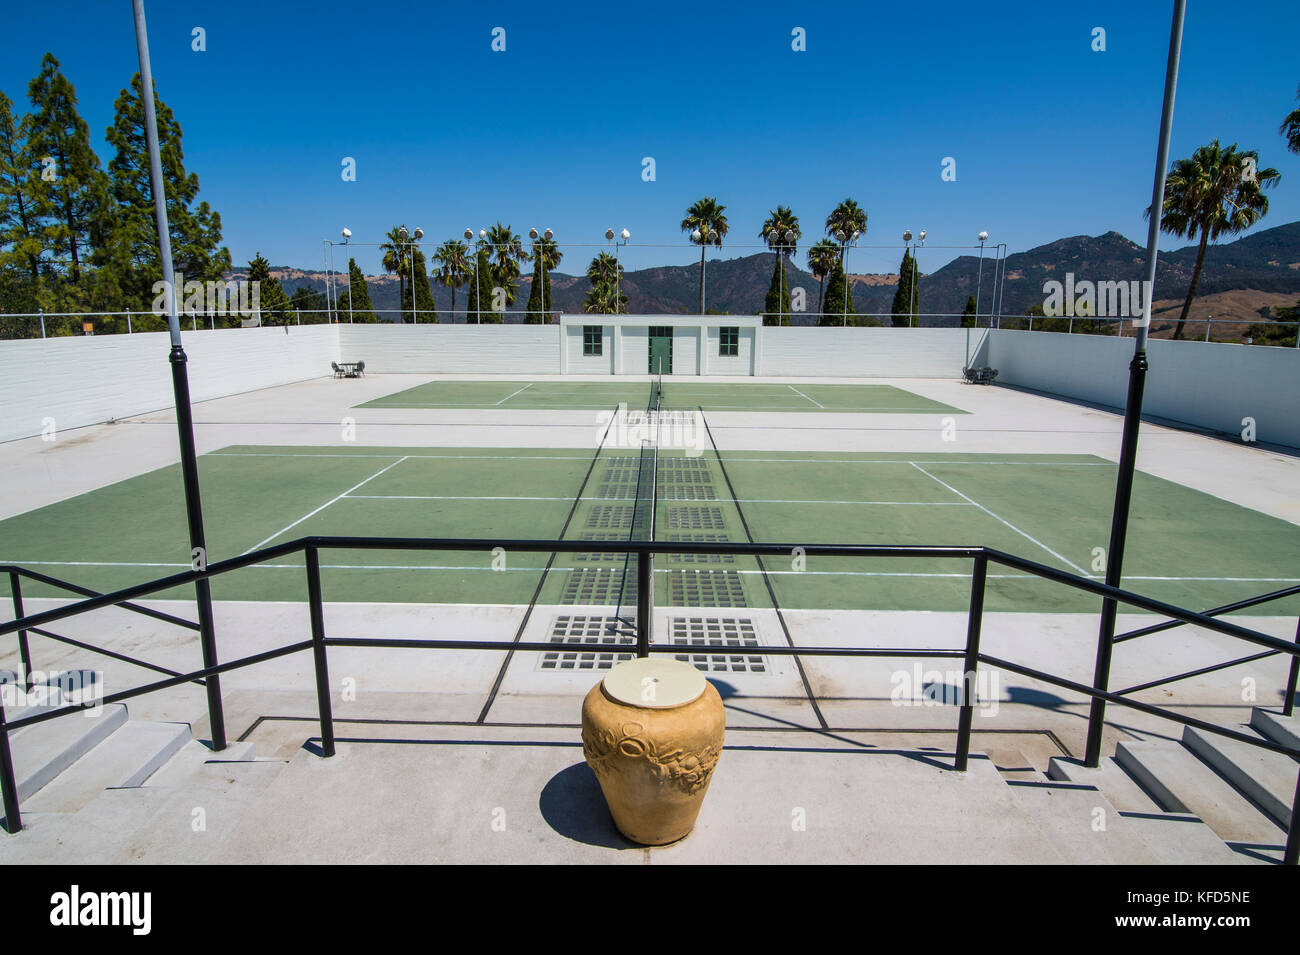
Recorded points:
(1288,704)
(8,785)
(974,623)
(319,652)
(644,602)
(25,653)
(1291,855)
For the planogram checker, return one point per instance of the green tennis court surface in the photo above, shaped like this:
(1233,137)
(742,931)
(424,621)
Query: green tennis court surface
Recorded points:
(1184,546)
(598,395)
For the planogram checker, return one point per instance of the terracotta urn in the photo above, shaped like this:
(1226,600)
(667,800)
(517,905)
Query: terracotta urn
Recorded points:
(652,733)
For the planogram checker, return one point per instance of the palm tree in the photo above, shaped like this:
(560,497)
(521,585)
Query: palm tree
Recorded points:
(1291,127)
(781,232)
(846,222)
(453,266)
(1210,195)
(606,296)
(397,259)
(706,225)
(506,250)
(821,259)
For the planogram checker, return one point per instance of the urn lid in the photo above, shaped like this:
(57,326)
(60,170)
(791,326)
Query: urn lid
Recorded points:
(654,683)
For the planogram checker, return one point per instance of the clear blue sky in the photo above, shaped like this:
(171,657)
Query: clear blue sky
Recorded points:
(1051,139)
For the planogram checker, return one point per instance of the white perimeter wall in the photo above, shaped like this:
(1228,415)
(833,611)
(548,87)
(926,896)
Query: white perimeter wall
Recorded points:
(1206,384)
(864,352)
(81,380)
(454,349)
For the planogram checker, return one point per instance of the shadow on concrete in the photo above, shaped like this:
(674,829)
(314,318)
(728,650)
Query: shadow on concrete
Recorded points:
(1032,697)
(573,805)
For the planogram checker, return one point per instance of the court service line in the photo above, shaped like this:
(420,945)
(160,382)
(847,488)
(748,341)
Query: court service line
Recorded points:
(1034,540)
(802,395)
(325,505)
(666,500)
(576,457)
(512,394)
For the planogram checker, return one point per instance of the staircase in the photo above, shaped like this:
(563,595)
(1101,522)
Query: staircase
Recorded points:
(1241,793)
(109,789)
(102,788)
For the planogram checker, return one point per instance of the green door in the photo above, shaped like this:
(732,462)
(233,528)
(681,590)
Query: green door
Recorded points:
(661,350)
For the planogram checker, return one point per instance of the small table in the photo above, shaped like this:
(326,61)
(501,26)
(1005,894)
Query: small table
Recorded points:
(348,369)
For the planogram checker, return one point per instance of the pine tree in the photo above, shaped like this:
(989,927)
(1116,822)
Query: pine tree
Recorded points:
(70,189)
(361,309)
(968,316)
(838,304)
(275,307)
(197,253)
(905,299)
(20,245)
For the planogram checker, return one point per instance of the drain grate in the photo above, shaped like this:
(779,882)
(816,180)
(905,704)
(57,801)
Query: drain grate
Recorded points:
(617,516)
(617,492)
(601,555)
(600,585)
(716,633)
(705,588)
(574,630)
(686,492)
(701,558)
(694,518)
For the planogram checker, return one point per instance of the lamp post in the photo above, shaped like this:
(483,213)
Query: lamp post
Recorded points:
(404,235)
(983,237)
(845,239)
(618,279)
(181,390)
(779,242)
(701,239)
(331,308)
(548,235)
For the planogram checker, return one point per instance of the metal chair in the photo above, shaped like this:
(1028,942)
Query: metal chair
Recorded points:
(338,372)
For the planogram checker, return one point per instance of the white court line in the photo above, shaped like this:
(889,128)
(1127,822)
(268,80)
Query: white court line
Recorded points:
(509,396)
(578,457)
(666,500)
(1060,557)
(802,395)
(323,506)
(660,570)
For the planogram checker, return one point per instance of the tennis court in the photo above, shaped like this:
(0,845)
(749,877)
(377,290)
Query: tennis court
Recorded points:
(711,396)
(1185,546)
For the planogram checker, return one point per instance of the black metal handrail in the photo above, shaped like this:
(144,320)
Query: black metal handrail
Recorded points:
(644,550)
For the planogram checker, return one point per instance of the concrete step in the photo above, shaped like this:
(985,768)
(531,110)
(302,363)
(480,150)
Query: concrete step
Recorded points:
(1070,816)
(1181,782)
(1119,788)
(1275,726)
(1267,778)
(1182,839)
(44,750)
(192,757)
(123,760)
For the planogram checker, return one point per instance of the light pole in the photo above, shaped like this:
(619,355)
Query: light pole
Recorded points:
(779,242)
(618,279)
(984,236)
(331,309)
(548,235)
(347,237)
(912,316)
(845,239)
(404,235)
(701,238)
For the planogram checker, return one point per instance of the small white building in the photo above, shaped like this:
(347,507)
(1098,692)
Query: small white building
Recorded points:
(660,344)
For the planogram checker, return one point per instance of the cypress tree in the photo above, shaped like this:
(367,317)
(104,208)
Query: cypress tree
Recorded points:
(424,304)
(362,309)
(968,316)
(536,296)
(838,304)
(482,278)
(776,305)
(905,299)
